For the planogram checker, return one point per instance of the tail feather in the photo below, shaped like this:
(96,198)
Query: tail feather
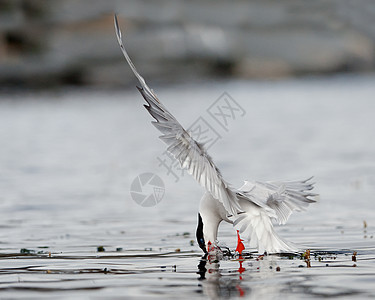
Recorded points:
(263,202)
(256,226)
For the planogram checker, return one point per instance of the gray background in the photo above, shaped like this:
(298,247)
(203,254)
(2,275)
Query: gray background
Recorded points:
(47,43)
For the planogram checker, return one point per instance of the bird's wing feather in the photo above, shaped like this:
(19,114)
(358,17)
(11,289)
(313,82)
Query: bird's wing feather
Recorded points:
(191,155)
(282,197)
(255,225)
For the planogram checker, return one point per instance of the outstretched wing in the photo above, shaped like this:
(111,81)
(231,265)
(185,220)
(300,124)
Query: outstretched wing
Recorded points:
(191,155)
(256,226)
(282,197)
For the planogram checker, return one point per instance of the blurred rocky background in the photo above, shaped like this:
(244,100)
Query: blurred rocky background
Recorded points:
(46,43)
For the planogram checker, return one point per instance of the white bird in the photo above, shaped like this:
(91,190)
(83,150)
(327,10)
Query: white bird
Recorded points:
(250,209)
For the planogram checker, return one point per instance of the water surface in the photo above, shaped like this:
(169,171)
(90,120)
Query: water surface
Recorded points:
(68,159)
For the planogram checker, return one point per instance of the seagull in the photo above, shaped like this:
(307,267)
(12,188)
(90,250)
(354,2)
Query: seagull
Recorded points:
(251,209)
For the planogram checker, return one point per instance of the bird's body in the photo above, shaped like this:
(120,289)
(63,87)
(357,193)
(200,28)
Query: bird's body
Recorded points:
(250,208)
(260,203)
(212,213)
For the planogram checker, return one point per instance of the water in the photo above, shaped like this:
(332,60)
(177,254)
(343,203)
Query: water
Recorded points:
(68,159)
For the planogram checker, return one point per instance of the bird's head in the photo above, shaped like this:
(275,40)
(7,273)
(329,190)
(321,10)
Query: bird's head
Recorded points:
(200,235)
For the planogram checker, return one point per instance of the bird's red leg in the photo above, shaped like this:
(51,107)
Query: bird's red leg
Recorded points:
(209,248)
(240,245)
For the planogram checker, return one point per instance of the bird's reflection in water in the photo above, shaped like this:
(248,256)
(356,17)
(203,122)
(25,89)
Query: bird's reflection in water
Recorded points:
(215,285)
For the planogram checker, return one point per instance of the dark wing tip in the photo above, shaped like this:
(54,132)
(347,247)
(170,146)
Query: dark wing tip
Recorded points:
(117,27)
